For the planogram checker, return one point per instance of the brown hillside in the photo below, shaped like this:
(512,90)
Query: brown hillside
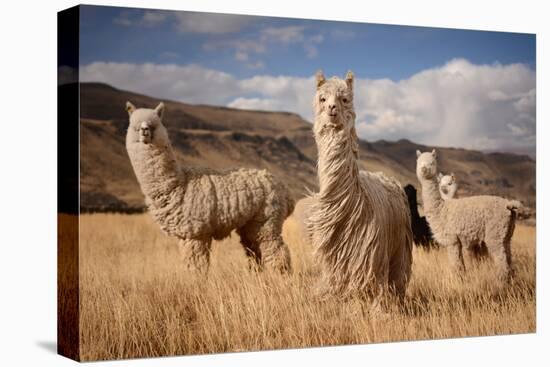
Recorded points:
(220,137)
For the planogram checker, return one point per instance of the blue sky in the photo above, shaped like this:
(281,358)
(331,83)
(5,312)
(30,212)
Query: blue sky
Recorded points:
(450,87)
(371,50)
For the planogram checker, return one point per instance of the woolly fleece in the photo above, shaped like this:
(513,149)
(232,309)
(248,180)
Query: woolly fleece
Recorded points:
(199,204)
(465,223)
(359,222)
(447,186)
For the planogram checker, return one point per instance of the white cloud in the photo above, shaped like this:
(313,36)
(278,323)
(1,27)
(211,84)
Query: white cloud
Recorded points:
(280,36)
(243,45)
(185,22)
(266,104)
(458,104)
(284,35)
(290,93)
(190,83)
(255,65)
(124,19)
(311,51)
(148,18)
(318,38)
(309,46)
(152,18)
(241,56)
(210,23)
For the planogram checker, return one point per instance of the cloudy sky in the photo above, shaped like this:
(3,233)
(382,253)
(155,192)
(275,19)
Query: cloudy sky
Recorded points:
(444,87)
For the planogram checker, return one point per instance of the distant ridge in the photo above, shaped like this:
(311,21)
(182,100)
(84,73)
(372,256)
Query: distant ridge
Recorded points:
(222,137)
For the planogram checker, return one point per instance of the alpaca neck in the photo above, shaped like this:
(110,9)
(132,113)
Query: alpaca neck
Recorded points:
(431,197)
(452,192)
(158,171)
(338,170)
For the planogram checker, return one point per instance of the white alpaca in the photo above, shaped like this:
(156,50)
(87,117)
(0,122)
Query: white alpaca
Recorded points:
(359,222)
(197,204)
(466,223)
(447,186)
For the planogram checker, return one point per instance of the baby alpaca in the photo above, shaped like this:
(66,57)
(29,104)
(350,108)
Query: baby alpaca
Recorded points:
(465,223)
(197,205)
(447,186)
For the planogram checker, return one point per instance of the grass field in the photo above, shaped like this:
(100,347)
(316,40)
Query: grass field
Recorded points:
(137,302)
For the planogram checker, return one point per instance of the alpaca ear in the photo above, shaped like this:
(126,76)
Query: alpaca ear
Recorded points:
(160,110)
(320,79)
(439,176)
(349,79)
(130,108)
(418,153)
(452,176)
(434,154)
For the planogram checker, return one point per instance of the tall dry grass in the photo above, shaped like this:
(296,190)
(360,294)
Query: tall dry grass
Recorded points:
(137,302)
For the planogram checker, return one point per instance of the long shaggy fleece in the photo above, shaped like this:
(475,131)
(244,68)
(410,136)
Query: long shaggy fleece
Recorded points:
(359,221)
(198,204)
(467,223)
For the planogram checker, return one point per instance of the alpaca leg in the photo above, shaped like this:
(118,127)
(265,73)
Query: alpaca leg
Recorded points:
(267,244)
(379,300)
(478,253)
(275,254)
(456,258)
(400,271)
(502,257)
(251,249)
(195,254)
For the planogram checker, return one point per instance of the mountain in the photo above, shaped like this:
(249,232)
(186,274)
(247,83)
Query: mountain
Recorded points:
(282,142)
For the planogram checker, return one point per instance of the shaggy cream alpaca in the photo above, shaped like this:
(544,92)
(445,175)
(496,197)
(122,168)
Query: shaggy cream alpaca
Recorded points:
(197,204)
(466,223)
(447,186)
(359,222)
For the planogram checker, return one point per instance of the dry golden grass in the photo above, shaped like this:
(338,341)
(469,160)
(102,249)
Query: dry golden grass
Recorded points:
(137,302)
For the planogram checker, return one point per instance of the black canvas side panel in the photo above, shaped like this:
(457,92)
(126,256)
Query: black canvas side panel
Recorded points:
(68,331)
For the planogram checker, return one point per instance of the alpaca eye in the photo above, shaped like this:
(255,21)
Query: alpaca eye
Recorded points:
(345,100)
(323,99)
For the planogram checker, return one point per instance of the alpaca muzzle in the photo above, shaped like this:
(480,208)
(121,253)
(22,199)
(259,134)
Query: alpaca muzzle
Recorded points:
(333,114)
(334,120)
(145,133)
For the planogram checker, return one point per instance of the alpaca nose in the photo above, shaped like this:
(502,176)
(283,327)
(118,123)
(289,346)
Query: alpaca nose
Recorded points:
(144,128)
